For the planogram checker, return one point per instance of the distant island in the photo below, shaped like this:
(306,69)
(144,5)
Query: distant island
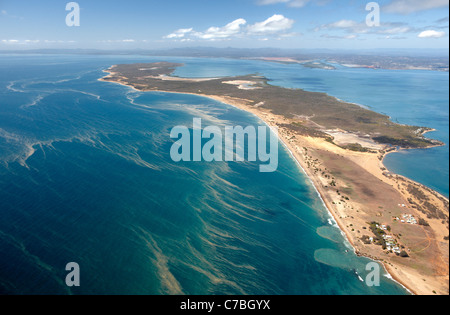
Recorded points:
(400,59)
(341,147)
(388,62)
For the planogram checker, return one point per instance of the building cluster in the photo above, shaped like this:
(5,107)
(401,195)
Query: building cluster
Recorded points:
(382,227)
(407,218)
(391,244)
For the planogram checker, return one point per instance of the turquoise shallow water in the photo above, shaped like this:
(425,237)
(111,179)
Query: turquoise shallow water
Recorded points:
(86,176)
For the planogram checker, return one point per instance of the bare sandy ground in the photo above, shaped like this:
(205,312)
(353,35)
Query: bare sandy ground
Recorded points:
(243,85)
(170,78)
(343,138)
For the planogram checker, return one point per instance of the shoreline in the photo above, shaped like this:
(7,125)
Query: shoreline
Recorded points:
(316,182)
(340,225)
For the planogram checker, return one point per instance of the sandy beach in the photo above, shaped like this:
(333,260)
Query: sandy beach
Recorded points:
(357,189)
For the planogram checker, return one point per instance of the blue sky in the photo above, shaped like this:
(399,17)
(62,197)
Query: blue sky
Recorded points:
(153,24)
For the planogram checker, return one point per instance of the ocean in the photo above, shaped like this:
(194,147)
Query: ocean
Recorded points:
(86,177)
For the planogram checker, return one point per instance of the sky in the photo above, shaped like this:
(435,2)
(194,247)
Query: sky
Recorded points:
(162,24)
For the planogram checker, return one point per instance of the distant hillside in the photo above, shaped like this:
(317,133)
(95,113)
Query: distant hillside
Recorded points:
(377,59)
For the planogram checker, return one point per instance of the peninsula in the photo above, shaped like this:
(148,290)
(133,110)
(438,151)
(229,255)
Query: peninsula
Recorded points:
(341,147)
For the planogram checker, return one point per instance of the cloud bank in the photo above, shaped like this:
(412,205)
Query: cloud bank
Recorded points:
(275,26)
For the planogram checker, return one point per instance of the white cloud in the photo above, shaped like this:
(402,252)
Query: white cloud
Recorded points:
(351,36)
(227,31)
(298,3)
(275,24)
(411,6)
(292,3)
(343,24)
(395,37)
(10,41)
(353,27)
(268,2)
(179,33)
(431,34)
(346,25)
(395,30)
(33,41)
(8,15)
(120,41)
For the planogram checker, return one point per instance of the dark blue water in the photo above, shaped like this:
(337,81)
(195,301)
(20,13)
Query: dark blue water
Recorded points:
(86,177)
